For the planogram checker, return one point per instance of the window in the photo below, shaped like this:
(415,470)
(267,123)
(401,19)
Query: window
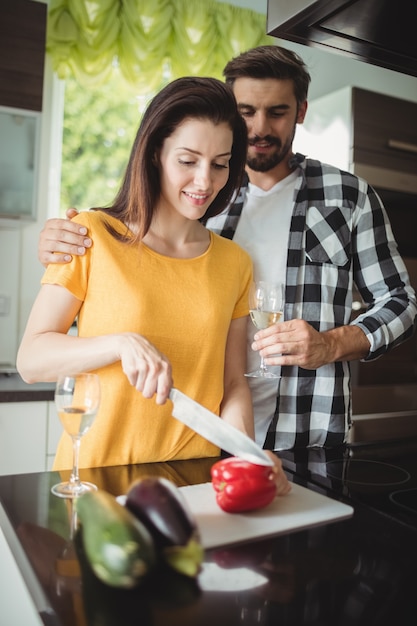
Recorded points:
(99,128)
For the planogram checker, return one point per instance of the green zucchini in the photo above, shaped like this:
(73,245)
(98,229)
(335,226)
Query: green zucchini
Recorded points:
(110,606)
(119,548)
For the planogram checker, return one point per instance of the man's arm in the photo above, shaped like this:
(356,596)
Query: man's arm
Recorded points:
(60,239)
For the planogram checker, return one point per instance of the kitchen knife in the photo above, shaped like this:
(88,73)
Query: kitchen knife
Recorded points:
(216,430)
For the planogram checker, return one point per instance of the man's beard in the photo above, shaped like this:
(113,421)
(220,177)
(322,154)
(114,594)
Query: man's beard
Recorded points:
(267,162)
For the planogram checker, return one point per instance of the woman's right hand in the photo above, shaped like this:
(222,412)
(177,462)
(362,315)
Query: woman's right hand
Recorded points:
(146,368)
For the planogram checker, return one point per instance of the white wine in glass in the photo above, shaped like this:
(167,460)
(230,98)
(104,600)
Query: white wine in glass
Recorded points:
(77,399)
(266,307)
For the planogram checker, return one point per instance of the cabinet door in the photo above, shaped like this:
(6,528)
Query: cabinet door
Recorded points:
(22,53)
(384,134)
(17,606)
(22,437)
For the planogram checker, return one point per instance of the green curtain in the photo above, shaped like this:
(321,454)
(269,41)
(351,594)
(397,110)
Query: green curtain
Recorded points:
(149,40)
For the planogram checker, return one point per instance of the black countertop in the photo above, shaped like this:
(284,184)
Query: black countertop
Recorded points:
(14,389)
(347,573)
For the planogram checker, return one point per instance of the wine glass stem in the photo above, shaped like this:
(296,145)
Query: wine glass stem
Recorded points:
(262,366)
(74,478)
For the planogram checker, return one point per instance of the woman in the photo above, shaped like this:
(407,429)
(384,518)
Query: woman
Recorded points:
(159,299)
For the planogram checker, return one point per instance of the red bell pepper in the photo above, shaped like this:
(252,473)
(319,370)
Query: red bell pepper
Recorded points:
(242,486)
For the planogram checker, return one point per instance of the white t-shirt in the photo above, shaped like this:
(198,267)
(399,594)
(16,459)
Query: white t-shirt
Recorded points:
(263,231)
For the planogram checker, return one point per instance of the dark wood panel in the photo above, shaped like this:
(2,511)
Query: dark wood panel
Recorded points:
(378,120)
(22,53)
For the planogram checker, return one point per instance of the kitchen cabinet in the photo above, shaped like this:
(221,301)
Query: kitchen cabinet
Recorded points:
(380,32)
(17,606)
(22,437)
(20,162)
(384,136)
(22,53)
(29,433)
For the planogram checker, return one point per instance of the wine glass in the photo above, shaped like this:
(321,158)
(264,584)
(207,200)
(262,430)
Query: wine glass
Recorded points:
(266,307)
(77,399)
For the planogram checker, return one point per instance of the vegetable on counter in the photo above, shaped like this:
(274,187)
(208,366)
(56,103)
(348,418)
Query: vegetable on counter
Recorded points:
(119,548)
(159,505)
(105,605)
(242,486)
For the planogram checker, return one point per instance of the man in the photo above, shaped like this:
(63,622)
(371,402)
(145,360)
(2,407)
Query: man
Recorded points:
(318,230)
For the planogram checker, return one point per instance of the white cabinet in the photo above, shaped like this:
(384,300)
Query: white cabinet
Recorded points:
(22,437)
(29,434)
(17,606)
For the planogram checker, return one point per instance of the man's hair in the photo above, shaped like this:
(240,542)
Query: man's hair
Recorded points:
(270,62)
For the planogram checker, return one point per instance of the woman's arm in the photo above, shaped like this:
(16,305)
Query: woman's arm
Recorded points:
(236,407)
(46,350)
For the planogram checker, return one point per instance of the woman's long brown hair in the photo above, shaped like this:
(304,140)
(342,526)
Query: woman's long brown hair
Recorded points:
(184,98)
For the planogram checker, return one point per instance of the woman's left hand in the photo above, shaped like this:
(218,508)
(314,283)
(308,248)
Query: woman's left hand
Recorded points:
(281,481)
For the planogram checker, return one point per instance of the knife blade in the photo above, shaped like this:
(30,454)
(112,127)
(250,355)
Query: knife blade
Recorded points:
(216,430)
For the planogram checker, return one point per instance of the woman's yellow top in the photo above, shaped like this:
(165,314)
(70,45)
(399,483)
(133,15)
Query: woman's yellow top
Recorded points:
(184,307)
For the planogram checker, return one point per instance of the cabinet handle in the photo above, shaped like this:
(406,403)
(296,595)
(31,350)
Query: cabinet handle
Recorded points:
(402,145)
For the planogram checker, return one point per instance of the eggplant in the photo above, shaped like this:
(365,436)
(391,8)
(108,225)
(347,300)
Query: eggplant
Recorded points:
(159,505)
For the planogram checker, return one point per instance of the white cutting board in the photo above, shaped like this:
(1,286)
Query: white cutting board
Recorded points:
(301,508)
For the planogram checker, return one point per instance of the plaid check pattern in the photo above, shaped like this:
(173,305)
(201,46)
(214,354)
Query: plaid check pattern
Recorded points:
(339,234)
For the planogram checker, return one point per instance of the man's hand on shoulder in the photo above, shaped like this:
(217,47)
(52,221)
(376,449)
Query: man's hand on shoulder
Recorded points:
(60,239)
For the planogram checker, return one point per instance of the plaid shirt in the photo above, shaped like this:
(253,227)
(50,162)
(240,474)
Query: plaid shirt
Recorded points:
(339,234)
